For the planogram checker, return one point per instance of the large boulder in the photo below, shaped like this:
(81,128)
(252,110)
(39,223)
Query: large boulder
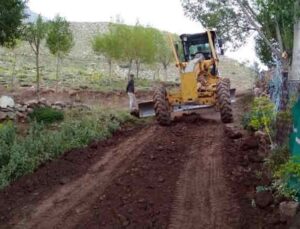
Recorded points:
(6,101)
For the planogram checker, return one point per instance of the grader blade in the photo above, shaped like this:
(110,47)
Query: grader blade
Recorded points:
(146,109)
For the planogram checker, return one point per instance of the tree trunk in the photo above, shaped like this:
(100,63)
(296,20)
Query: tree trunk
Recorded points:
(57,71)
(13,72)
(37,62)
(166,72)
(252,21)
(110,68)
(129,69)
(296,53)
(279,37)
(138,64)
(109,61)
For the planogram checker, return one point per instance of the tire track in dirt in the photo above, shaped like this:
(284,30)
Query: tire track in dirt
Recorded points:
(204,199)
(76,197)
(142,196)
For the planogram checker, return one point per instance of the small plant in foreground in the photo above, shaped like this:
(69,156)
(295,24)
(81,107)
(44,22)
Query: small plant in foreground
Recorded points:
(46,115)
(288,183)
(277,158)
(261,116)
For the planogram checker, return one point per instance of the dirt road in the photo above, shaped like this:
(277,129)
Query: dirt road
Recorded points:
(146,177)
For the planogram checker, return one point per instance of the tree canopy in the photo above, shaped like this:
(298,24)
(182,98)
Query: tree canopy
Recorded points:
(34,33)
(136,44)
(273,20)
(223,15)
(11,15)
(59,37)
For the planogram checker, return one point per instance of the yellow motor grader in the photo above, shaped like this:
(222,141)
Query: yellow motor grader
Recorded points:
(200,83)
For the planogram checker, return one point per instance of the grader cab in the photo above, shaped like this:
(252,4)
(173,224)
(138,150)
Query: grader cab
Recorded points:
(200,84)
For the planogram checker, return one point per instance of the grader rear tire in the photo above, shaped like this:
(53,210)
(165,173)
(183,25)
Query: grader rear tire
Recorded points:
(224,101)
(161,106)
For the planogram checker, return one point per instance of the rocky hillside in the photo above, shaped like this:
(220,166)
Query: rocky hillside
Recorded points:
(82,65)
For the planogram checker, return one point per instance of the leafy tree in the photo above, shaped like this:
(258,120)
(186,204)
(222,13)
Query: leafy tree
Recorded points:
(59,40)
(34,33)
(223,15)
(263,52)
(107,45)
(133,44)
(276,20)
(12,50)
(11,15)
(164,53)
(143,45)
(273,20)
(124,41)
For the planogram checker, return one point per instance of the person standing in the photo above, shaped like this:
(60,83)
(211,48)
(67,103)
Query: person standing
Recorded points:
(131,94)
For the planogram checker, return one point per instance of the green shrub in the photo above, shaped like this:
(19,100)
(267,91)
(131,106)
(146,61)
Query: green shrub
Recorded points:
(288,179)
(21,155)
(261,116)
(46,115)
(277,158)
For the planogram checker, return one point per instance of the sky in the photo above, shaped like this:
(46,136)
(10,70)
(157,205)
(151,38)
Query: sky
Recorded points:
(165,15)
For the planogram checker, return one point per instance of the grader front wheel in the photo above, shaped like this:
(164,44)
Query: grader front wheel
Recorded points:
(161,106)
(224,100)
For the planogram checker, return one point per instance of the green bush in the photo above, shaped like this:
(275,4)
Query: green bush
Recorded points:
(288,179)
(46,115)
(261,115)
(277,158)
(22,155)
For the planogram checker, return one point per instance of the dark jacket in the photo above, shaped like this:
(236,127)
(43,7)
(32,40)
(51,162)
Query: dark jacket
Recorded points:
(130,86)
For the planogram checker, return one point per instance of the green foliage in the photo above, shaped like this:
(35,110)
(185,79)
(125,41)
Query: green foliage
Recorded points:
(285,116)
(164,53)
(136,42)
(290,168)
(277,20)
(35,32)
(225,16)
(235,19)
(46,115)
(261,115)
(107,44)
(263,51)
(22,155)
(282,189)
(60,37)
(132,44)
(288,175)
(11,16)
(277,158)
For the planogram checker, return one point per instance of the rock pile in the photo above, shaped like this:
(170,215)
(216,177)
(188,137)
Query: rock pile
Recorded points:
(19,112)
